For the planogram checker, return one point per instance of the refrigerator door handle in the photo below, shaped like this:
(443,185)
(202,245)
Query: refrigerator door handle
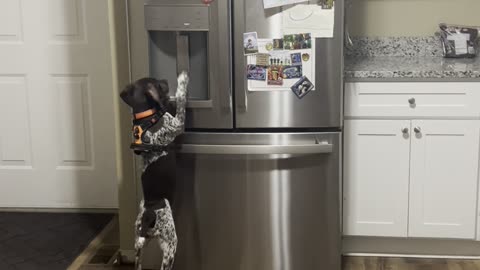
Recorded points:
(240,60)
(303,149)
(183,64)
(183,54)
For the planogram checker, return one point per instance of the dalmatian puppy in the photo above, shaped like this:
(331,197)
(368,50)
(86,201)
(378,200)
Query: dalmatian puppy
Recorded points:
(155,130)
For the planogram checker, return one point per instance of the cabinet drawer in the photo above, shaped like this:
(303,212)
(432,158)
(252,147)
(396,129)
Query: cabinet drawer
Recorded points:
(441,99)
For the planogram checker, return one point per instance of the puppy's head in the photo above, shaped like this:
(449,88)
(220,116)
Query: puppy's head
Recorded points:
(146,94)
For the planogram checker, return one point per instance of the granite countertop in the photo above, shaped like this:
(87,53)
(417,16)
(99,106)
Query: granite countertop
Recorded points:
(396,67)
(410,58)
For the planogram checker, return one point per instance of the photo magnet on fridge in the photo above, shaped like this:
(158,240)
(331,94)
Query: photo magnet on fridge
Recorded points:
(302,87)
(278,44)
(262,59)
(275,75)
(297,41)
(256,73)
(292,72)
(296,59)
(250,43)
(327,4)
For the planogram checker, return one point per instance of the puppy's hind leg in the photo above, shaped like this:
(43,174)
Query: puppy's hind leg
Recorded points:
(139,246)
(167,235)
(168,249)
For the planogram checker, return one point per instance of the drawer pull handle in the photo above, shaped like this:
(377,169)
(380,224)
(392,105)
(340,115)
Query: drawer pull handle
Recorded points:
(417,130)
(412,101)
(405,130)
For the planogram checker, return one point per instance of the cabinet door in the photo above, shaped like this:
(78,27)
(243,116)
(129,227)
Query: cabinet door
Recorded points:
(376,172)
(444,175)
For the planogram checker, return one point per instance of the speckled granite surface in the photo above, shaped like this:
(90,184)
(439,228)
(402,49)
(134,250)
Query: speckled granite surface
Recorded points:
(394,46)
(405,58)
(385,67)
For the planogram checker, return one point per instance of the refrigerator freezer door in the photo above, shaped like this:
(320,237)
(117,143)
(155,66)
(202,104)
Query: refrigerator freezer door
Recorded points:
(188,35)
(257,210)
(282,109)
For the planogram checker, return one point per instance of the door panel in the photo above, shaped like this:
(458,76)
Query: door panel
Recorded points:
(444,176)
(56,105)
(282,109)
(257,211)
(376,176)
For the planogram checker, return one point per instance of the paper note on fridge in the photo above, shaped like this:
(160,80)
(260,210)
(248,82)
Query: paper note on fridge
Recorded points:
(309,19)
(278,3)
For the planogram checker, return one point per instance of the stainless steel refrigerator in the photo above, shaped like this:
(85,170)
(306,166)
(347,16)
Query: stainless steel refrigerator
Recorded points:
(258,171)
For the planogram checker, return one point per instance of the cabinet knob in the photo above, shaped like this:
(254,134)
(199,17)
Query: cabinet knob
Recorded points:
(405,130)
(417,130)
(412,101)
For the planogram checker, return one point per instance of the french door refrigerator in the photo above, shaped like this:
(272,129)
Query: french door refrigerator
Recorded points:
(259,182)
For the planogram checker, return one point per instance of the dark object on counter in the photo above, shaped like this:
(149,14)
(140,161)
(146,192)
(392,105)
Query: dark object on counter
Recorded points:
(459,41)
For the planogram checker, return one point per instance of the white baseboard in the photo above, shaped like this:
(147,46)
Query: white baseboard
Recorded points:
(415,248)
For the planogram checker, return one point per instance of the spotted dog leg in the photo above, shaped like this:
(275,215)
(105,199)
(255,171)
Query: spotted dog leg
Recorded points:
(163,233)
(166,235)
(140,241)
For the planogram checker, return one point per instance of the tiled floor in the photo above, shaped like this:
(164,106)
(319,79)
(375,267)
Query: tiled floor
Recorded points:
(110,239)
(37,241)
(100,253)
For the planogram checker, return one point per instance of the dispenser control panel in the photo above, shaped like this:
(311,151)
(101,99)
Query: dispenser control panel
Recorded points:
(177,18)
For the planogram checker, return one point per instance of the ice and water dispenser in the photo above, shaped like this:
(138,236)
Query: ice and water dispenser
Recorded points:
(188,35)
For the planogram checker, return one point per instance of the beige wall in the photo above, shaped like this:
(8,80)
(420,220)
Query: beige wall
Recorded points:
(409,17)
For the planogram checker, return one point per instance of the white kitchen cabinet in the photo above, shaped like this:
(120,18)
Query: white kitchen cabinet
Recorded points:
(421,184)
(414,178)
(443,179)
(376,177)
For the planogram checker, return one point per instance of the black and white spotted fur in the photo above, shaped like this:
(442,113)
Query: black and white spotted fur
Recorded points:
(170,127)
(163,232)
(162,134)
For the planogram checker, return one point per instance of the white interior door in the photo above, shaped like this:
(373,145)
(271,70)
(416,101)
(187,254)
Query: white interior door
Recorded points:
(56,105)
(376,171)
(444,176)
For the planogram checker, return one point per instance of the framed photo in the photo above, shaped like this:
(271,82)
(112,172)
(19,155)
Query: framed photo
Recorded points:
(296,59)
(275,75)
(278,44)
(292,72)
(256,73)
(302,87)
(297,41)
(250,43)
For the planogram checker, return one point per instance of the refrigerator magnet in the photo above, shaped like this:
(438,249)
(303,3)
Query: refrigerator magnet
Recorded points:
(296,59)
(275,75)
(269,46)
(250,43)
(305,57)
(277,44)
(302,87)
(256,73)
(262,59)
(297,41)
(292,72)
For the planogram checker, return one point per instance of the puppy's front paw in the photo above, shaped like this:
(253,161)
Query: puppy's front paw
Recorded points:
(139,243)
(183,78)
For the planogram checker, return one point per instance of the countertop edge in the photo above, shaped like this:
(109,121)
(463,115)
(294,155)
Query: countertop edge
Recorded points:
(409,79)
